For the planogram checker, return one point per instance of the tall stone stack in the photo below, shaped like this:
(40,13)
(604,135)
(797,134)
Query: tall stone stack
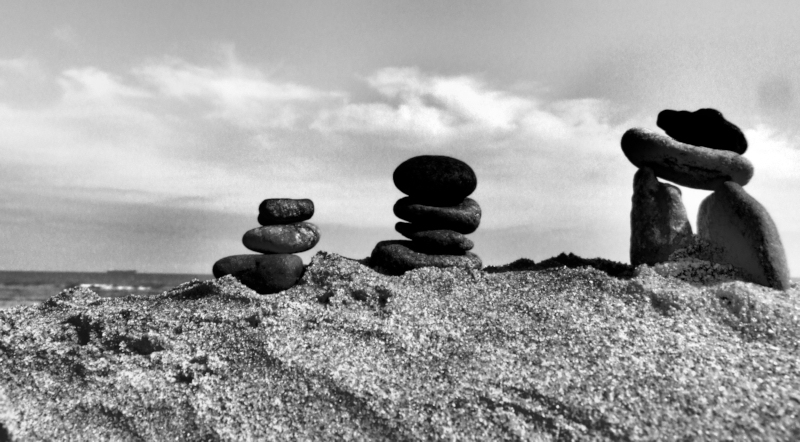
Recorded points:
(283,232)
(439,215)
(702,150)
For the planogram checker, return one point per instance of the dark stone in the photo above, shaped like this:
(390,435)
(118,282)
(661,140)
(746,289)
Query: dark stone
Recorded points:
(463,218)
(435,180)
(659,225)
(684,164)
(436,242)
(284,211)
(745,235)
(282,238)
(572,261)
(703,127)
(263,273)
(398,257)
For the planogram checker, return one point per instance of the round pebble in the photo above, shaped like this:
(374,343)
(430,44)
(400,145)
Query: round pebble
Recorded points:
(463,218)
(437,242)
(435,179)
(282,238)
(398,257)
(263,273)
(284,211)
(703,127)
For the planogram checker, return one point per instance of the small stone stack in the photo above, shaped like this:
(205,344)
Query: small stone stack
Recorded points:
(702,151)
(283,232)
(439,214)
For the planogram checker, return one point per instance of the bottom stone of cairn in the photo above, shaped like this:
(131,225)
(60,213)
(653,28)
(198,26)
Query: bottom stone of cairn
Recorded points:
(398,257)
(266,274)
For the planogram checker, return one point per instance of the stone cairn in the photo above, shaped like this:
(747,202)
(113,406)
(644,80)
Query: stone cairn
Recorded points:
(439,214)
(702,150)
(283,232)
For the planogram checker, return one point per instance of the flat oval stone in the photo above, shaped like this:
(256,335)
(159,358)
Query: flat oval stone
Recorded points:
(282,238)
(263,273)
(284,211)
(436,242)
(398,257)
(744,235)
(684,164)
(703,127)
(463,218)
(435,179)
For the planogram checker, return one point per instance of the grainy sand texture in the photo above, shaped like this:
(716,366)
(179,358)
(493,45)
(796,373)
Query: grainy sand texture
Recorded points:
(435,354)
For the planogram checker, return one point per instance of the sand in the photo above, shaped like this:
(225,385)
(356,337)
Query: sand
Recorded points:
(435,354)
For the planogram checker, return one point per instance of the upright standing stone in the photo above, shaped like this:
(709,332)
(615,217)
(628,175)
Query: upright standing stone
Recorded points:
(659,225)
(745,234)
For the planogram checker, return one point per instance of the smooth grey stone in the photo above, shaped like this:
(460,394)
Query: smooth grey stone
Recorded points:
(282,238)
(463,218)
(263,273)
(284,211)
(744,235)
(435,179)
(436,242)
(659,224)
(703,127)
(691,166)
(398,257)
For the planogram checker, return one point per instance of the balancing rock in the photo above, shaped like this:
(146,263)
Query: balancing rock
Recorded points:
(397,257)
(284,211)
(462,218)
(703,127)
(282,238)
(684,164)
(436,242)
(265,274)
(436,180)
(659,224)
(745,235)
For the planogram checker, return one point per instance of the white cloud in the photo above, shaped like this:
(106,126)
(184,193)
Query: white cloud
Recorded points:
(235,92)
(433,107)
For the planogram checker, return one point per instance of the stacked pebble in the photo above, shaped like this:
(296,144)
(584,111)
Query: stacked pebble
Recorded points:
(703,151)
(283,232)
(439,214)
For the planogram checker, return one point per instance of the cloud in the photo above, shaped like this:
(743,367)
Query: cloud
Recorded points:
(434,107)
(225,135)
(234,92)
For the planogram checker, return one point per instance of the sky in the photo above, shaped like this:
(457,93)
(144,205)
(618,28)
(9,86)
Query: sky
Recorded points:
(143,135)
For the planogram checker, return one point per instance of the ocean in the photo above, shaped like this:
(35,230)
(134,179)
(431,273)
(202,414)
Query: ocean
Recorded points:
(30,287)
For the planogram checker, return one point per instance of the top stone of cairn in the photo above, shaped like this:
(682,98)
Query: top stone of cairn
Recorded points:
(435,179)
(703,127)
(284,211)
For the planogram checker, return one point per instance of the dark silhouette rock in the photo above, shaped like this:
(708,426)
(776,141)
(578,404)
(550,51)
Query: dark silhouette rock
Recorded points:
(463,218)
(659,225)
(282,238)
(398,257)
(703,127)
(284,211)
(437,242)
(263,273)
(745,234)
(435,180)
(684,164)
